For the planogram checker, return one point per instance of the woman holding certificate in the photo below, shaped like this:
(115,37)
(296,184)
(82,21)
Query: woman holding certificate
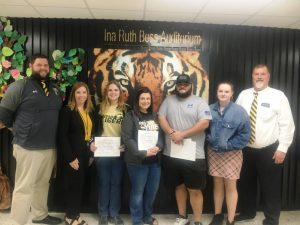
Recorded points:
(110,165)
(229,133)
(144,141)
(76,127)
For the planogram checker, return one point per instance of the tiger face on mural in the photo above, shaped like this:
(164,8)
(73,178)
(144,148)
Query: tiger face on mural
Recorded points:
(157,70)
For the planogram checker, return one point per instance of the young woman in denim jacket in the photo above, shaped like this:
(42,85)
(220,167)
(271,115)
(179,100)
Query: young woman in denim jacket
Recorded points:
(229,133)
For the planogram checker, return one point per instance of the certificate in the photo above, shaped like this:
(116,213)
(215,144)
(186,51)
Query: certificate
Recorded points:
(107,146)
(147,139)
(186,151)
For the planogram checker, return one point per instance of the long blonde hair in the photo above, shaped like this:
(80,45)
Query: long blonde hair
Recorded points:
(105,104)
(88,105)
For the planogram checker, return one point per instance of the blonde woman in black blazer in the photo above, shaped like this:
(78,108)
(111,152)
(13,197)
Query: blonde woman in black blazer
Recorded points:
(76,128)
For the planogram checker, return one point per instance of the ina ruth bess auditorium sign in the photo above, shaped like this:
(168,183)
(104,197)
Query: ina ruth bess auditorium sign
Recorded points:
(174,39)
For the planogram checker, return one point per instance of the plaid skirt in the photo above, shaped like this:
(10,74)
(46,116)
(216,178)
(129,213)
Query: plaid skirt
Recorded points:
(226,164)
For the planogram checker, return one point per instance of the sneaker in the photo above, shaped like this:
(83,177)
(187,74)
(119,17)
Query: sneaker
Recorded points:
(217,219)
(181,220)
(103,220)
(243,217)
(116,220)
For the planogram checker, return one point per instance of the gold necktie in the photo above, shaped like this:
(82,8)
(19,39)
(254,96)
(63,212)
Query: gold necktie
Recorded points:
(44,86)
(253,112)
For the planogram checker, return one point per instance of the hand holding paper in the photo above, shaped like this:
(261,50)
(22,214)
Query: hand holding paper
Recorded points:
(152,151)
(177,137)
(93,147)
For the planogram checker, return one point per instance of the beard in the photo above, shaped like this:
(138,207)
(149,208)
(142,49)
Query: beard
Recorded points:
(38,76)
(259,85)
(183,95)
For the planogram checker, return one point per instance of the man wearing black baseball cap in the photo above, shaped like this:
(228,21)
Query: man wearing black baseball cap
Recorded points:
(185,116)
(183,87)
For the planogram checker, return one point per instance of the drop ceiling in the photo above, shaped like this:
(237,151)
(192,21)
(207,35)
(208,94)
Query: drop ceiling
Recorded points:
(267,13)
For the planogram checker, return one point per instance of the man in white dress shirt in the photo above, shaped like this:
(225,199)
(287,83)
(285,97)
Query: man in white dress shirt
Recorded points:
(264,156)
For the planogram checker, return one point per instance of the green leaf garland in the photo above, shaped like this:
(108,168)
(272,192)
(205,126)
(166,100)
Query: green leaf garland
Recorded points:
(65,69)
(67,66)
(12,54)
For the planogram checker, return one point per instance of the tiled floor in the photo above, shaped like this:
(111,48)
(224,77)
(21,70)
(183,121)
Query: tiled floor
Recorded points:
(287,218)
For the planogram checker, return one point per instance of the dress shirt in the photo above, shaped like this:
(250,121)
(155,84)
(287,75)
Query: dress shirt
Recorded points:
(274,120)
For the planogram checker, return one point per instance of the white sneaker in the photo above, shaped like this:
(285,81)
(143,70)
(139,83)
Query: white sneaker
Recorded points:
(181,221)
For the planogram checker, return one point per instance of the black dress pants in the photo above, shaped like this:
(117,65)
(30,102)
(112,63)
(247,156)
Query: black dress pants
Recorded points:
(258,166)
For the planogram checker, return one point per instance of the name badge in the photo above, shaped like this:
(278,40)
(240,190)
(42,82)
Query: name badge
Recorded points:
(265,104)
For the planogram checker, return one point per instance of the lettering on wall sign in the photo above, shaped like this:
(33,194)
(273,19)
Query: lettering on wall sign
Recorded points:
(174,39)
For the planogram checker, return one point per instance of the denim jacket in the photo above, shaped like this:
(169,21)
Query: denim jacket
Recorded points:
(230,130)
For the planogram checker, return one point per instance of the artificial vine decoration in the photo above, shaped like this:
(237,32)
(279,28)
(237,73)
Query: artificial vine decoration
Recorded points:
(67,67)
(12,54)
(12,44)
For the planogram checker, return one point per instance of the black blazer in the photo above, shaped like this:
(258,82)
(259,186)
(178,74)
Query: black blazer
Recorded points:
(71,135)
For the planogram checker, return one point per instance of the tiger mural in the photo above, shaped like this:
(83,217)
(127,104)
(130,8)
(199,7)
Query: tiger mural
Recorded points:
(157,70)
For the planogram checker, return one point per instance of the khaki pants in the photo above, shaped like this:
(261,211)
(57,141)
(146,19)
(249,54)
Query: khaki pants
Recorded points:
(33,172)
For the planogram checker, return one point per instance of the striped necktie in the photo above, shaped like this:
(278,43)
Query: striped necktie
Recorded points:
(45,88)
(253,112)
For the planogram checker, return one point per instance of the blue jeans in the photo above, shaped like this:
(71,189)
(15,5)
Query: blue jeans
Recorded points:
(110,173)
(144,185)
